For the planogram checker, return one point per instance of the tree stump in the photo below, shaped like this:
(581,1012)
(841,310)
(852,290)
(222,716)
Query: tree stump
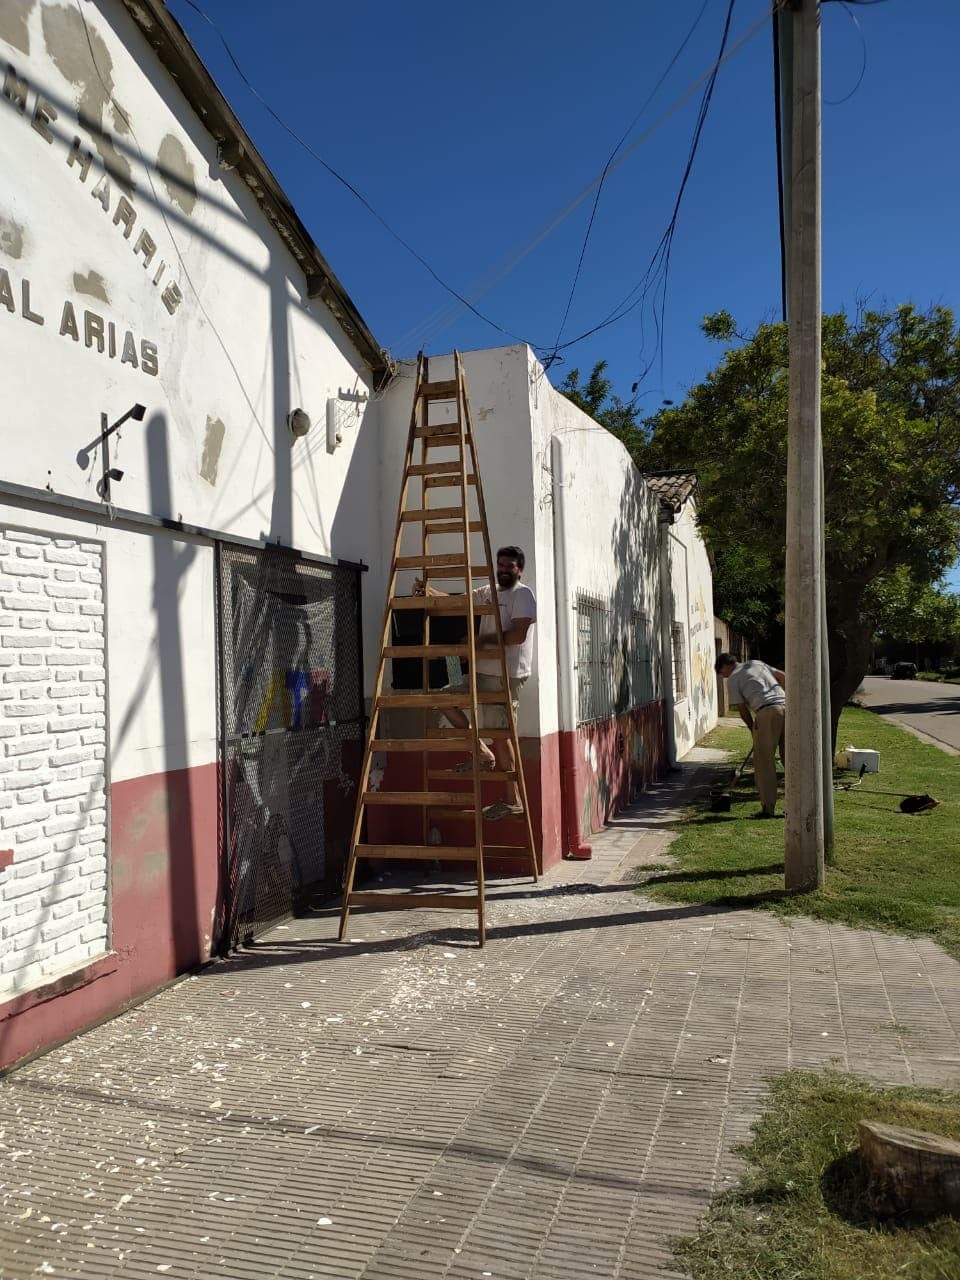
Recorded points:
(910,1171)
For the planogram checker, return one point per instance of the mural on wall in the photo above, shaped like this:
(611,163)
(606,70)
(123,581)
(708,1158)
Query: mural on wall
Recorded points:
(702,676)
(623,757)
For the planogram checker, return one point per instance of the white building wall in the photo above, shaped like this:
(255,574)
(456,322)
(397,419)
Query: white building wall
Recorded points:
(609,537)
(53,908)
(134,268)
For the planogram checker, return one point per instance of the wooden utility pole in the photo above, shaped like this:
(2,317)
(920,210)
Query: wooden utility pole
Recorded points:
(804,794)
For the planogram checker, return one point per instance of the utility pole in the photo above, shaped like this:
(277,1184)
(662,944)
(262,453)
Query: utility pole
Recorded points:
(804,793)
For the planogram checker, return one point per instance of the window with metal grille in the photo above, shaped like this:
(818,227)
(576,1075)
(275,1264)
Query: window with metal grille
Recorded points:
(678,652)
(641,674)
(594,682)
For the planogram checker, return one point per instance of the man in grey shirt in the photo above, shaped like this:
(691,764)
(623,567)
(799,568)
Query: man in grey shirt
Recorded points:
(757,689)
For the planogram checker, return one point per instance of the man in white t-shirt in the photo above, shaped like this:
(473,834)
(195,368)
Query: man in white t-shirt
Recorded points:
(518,613)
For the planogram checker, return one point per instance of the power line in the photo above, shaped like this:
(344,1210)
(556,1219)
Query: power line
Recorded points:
(606,168)
(444,317)
(658,268)
(836,102)
(440,319)
(344,181)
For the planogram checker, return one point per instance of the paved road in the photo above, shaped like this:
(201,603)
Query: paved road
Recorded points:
(932,709)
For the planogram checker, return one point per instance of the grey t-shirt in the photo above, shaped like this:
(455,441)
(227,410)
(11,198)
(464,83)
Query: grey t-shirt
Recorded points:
(755,684)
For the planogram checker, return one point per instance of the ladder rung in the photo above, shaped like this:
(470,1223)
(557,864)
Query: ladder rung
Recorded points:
(460,571)
(440,799)
(427,651)
(438,435)
(431,513)
(421,744)
(419,852)
(393,901)
(486,775)
(437,698)
(439,604)
(439,390)
(453,526)
(442,735)
(431,562)
(445,482)
(433,468)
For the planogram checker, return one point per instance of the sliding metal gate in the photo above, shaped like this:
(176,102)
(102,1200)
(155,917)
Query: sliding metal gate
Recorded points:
(292,732)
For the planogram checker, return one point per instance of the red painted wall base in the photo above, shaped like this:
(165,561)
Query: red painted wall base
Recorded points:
(575,783)
(604,766)
(163,841)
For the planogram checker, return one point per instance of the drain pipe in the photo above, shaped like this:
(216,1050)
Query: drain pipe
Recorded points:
(566,671)
(666,639)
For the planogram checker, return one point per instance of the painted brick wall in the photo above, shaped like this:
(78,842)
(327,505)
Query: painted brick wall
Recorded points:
(54,893)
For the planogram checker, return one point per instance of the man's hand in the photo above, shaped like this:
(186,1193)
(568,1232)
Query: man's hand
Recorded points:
(421,588)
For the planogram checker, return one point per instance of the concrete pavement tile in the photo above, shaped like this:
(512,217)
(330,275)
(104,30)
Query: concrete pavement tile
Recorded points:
(590,1083)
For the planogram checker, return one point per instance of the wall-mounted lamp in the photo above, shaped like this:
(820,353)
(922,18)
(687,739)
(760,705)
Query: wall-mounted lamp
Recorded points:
(107,473)
(103,484)
(299,423)
(137,413)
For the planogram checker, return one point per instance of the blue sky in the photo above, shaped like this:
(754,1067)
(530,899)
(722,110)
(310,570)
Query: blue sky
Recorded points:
(472,128)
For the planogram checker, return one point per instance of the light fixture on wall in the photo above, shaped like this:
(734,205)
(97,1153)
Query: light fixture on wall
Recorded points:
(299,423)
(137,413)
(103,484)
(83,455)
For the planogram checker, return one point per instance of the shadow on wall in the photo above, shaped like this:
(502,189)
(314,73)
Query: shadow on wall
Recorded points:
(626,753)
(170,567)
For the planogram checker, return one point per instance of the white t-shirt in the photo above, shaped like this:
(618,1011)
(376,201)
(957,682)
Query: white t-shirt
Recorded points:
(516,602)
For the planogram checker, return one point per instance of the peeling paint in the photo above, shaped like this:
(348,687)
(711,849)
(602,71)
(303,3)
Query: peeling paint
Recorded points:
(174,167)
(92,284)
(11,237)
(81,56)
(212,444)
(14,16)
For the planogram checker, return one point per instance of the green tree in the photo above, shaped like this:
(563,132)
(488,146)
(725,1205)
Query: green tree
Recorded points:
(891,442)
(908,612)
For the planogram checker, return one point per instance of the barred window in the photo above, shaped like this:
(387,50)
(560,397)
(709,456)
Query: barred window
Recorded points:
(595,698)
(641,673)
(678,653)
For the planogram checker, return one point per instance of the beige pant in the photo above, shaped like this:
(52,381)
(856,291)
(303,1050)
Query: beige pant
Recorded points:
(768,724)
(492,716)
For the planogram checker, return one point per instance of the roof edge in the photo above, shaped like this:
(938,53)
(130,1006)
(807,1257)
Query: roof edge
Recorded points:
(237,152)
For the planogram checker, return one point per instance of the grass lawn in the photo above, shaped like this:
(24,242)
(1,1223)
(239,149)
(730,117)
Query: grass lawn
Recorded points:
(890,870)
(801,1212)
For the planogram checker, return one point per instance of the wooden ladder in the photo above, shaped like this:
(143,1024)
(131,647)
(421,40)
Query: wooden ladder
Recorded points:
(447,460)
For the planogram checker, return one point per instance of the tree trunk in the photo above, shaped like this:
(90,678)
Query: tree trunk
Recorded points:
(849,639)
(910,1170)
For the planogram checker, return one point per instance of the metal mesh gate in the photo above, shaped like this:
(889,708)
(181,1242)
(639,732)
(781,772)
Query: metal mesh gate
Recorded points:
(292,731)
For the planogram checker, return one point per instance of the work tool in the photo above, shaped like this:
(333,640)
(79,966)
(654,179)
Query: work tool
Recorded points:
(738,772)
(910,802)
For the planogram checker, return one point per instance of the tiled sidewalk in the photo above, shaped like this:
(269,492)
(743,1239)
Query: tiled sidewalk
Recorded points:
(405,1105)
